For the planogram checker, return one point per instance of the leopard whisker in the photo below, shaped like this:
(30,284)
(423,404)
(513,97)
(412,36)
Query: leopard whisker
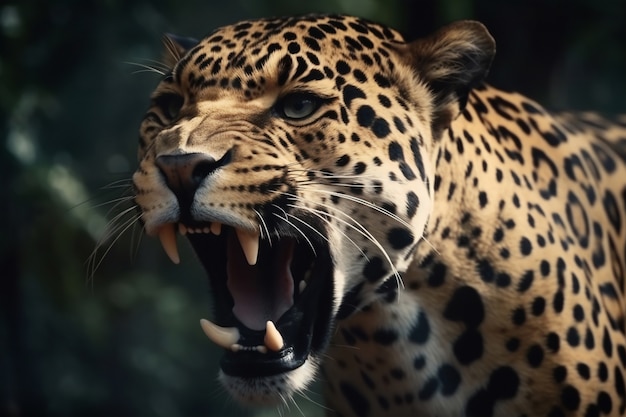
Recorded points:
(113,186)
(364,203)
(356,226)
(323,175)
(303,393)
(370,205)
(286,220)
(321,217)
(285,404)
(117,201)
(136,235)
(263,228)
(320,234)
(117,231)
(157,64)
(293,400)
(296,198)
(117,217)
(342,184)
(146,68)
(96,197)
(430,244)
(359,228)
(338,184)
(127,182)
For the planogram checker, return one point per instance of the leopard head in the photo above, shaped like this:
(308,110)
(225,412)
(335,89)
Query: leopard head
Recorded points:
(293,154)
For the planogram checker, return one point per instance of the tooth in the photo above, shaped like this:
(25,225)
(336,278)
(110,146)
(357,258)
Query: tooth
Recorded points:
(237,348)
(216,228)
(182,229)
(301,286)
(167,235)
(225,337)
(273,339)
(205,230)
(250,244)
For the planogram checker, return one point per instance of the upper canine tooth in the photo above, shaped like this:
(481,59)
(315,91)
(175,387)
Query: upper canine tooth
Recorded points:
(167,235)
(225,337)
(273,339)
(216,228)
(249,242)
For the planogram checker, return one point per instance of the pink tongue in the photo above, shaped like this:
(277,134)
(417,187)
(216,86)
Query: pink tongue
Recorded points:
(259,298)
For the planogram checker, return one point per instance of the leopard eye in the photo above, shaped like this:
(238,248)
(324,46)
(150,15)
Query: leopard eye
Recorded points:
(170,105)
(298,106)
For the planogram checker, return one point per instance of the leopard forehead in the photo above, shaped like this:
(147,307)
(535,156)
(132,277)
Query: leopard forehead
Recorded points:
(254,57)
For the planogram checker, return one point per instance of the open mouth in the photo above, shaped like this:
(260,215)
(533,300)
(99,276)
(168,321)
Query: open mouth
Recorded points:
(272,297)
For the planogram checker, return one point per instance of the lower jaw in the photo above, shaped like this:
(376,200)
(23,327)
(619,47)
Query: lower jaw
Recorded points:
(306,329)
(269,390)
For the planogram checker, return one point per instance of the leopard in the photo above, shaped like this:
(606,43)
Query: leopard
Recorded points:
(371,213)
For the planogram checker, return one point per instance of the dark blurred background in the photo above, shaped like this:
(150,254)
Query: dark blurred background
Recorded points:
(125,340)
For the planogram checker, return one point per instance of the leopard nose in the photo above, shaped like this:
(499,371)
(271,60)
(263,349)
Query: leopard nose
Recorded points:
(184,173)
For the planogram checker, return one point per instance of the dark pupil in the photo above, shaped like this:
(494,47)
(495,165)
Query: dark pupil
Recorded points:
(301,104)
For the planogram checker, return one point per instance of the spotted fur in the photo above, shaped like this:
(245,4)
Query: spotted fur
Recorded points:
(476,241)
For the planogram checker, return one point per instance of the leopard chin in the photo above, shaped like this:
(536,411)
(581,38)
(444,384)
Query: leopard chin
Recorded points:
(273,389)
(273,300)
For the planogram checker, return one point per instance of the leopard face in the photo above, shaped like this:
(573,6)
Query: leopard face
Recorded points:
(452,249)
(264,148)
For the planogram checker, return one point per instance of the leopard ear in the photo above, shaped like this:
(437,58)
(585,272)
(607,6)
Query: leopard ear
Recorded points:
(175,47)
(452,61)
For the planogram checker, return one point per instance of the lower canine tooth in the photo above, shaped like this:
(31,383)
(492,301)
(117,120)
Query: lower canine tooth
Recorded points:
(224,337)
(250,244)
(167,236)
(273,339)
